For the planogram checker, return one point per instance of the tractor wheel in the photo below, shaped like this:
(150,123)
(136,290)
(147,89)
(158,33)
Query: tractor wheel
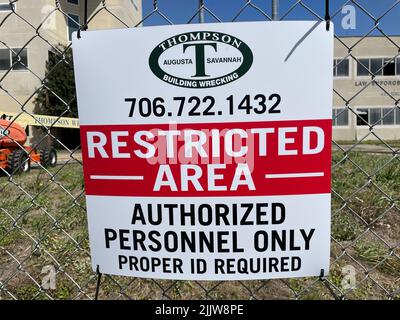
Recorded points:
(48,157)
(19,162)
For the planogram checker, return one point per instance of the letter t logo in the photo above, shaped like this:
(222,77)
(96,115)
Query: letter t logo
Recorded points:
(200,57)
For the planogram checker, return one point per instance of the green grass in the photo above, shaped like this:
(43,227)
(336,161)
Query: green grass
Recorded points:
(393,143)
(376,255)
(52,225)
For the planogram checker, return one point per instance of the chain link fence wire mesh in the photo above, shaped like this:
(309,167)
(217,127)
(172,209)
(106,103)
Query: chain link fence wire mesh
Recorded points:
(43,229)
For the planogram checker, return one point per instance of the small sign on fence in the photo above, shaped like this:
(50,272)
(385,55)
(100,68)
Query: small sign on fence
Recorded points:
(207,149)
(39,120)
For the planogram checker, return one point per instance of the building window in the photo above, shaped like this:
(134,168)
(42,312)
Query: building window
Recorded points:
(389,68)
(7,6)
(4,59)
(19,59)
(363,67)
(73,1)
(73,25)
(374,116)
(362,117)
(15,59)
(388,116)
(378,116)
(378,67)
(397,115)
(341,68)
(340,117)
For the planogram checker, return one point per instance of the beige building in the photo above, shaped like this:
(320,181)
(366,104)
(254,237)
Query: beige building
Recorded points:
(371,104)
(40,24)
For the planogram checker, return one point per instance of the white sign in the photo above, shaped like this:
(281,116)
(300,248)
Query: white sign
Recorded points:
(207,149)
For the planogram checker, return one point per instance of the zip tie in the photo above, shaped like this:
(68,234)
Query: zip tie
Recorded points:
(327,15)
(85,17)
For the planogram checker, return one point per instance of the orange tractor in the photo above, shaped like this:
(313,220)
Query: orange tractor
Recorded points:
(15,157)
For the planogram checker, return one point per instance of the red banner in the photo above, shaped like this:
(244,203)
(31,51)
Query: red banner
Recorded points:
(208,159)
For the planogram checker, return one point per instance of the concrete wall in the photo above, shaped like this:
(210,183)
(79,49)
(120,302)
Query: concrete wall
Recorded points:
(15,32)
(51,23)
(123,12)
(371,96)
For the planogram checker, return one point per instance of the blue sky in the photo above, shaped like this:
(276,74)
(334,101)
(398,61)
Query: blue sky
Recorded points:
(180,11)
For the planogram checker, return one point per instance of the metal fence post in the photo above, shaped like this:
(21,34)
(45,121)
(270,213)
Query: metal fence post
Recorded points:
(275,10)
(201,11)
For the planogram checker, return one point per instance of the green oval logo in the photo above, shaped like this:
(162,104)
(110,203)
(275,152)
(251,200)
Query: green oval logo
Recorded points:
(200,59)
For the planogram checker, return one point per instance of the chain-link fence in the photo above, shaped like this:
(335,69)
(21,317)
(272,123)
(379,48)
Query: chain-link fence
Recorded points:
(44,251)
